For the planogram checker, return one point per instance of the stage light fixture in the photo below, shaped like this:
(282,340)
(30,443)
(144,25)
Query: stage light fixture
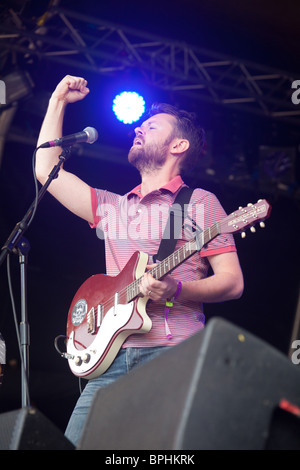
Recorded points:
(128,106)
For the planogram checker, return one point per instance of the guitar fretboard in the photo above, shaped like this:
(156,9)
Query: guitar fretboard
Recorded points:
(175,259)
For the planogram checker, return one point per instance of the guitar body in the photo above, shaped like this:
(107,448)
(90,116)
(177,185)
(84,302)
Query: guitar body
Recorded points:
(100,319)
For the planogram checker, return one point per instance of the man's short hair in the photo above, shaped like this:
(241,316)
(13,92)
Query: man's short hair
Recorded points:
(187,128)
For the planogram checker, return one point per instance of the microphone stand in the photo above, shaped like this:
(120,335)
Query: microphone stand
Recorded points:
(18,244)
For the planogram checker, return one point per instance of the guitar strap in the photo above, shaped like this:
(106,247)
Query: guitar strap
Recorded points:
(177,214)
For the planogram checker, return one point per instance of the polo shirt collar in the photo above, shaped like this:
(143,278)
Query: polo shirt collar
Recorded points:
(171,186)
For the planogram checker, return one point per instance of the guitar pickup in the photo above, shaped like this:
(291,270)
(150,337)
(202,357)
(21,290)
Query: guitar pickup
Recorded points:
(99,315)
(91,321)
(94,319)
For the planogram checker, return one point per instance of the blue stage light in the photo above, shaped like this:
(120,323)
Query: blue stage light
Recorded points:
(128,106)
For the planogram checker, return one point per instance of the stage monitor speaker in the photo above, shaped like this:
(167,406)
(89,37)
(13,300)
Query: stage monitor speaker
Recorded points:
(217,390)
(28,429)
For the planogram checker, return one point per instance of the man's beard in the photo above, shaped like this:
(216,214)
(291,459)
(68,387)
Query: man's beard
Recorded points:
(147,158)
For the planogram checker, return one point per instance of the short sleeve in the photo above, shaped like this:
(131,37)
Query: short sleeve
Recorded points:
(207,210)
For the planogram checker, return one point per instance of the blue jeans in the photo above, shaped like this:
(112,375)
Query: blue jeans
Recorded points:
(125,361)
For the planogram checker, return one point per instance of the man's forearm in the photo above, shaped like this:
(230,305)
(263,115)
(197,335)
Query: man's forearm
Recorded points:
(50,130)
(216,288)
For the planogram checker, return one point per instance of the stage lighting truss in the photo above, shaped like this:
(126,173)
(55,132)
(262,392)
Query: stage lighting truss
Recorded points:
(68,37)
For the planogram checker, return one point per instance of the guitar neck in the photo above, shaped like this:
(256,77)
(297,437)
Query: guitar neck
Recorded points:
(175,259)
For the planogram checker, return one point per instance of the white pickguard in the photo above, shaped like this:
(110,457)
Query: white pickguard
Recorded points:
(115,318)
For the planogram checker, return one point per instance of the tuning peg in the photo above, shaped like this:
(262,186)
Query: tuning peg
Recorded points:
(262,224)
(252,229)
(243,234)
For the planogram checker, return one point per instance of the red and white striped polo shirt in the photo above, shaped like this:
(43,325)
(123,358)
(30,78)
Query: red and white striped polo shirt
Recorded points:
(132,223)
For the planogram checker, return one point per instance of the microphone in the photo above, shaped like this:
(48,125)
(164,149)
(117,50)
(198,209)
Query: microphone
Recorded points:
(88,135)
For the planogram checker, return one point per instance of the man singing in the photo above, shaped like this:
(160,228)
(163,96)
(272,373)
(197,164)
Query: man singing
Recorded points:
(166,143)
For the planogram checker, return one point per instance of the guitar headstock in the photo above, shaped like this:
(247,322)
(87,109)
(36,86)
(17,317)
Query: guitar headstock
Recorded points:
(245,217)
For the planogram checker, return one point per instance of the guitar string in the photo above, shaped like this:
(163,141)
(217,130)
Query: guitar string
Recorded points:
(208,234)
(134,285)
(186,252)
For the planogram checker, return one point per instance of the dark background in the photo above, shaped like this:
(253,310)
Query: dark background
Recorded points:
(64,251)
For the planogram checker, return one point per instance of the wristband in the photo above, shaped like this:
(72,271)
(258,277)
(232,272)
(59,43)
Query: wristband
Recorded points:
(177,293)
(169,303)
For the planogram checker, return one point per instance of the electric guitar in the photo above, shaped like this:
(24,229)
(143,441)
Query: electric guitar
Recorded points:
(107,309)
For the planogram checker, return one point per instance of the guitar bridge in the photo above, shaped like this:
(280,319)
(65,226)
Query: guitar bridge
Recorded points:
(94,319)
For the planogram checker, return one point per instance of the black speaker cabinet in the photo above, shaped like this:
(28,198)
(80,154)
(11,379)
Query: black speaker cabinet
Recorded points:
(217,390)
(28,429)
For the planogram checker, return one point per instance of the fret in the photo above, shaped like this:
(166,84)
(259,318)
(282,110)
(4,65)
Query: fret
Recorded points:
(154,272)
(216,230)
(165,266)
(128,293)
(132,291)
(210,233)
(136,289)
(160,272)
(176,258)
(206,237)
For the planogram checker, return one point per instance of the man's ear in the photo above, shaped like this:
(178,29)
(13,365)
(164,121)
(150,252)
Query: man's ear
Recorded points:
(179,146)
